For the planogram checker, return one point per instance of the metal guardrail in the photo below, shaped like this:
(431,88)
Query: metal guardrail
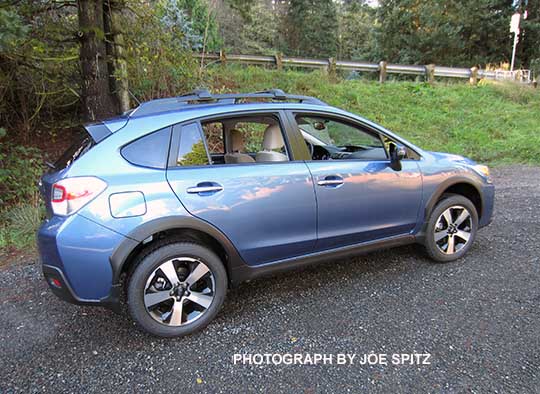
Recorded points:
(516,75)
(430,71)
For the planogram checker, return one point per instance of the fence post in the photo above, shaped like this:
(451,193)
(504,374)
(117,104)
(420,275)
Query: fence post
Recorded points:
(382,71)
(473,80)
(331,68)
(222,57)
(279,61)
(430,73)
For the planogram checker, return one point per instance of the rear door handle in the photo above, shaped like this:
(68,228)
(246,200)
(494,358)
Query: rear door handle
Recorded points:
(205,188)
(331,181)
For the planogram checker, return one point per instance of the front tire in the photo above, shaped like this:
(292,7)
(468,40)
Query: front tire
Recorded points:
(451,228)
(176,289)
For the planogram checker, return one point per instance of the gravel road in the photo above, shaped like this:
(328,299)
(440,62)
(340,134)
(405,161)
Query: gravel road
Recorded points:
(478,318)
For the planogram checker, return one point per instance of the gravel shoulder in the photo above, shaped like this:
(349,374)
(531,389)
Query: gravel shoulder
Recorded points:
(479,318)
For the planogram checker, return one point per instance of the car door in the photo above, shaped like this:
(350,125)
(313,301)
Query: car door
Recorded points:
(267,210)
(359,196)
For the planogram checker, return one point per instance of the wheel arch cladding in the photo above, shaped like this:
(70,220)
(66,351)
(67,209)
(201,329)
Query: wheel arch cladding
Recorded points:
(470,192)
(183,228)
(461,186)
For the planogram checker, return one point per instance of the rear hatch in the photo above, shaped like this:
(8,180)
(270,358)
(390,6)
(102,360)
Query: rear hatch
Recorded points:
(84,138)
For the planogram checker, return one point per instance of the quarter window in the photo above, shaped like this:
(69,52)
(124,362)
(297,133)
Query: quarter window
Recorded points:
(150,150)
(191,150)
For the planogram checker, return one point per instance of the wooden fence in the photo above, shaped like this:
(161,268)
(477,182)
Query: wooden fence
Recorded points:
(429,71)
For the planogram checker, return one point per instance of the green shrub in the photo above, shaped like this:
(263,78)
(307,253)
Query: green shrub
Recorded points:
(158,63)
(20,170)
(20,208)
(19,225)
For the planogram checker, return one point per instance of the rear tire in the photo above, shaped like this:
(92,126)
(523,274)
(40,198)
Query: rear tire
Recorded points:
(451,228)
(176,289)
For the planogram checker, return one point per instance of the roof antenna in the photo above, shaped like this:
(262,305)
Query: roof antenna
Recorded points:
(133,97)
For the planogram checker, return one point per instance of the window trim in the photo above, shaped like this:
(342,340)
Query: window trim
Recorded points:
(280,115)
(292,113)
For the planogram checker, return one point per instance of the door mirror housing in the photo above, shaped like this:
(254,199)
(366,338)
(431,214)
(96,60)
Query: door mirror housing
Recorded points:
(397,153)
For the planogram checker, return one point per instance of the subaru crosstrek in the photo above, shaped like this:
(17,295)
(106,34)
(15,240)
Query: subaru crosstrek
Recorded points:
(181,198)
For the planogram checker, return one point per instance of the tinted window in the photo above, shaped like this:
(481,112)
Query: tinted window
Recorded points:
(82,143)
(150,150)
(191,151)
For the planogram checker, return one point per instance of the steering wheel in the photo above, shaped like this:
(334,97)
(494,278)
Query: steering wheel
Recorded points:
(311,148)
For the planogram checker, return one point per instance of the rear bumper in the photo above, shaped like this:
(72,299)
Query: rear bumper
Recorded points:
(60,287)
(75,254)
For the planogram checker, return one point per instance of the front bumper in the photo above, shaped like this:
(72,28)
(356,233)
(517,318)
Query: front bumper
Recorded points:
(488,202)
(75,254)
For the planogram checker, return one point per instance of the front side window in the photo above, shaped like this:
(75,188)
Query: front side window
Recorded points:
(191,150)
(328,138)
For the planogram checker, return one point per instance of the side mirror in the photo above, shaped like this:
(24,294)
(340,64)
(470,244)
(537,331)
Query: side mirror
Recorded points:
(397,153)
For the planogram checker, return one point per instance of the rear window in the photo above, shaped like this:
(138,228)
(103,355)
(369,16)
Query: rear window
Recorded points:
(82,142)
(150,150)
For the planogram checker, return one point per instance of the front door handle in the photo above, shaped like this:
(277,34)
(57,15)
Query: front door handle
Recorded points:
(331,181)
(205,188)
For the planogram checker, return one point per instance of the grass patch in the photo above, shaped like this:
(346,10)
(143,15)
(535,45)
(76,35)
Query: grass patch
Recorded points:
(18,227)
(492,123)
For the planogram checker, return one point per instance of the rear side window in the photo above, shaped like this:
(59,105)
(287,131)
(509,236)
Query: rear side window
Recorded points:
(150,150)
(192,150)
(213,133)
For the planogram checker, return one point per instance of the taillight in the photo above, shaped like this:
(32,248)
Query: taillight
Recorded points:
(71,194)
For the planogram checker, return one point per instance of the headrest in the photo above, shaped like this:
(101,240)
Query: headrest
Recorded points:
(237,141)
(273,139)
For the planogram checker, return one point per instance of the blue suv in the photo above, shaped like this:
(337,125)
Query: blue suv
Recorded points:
(180,198)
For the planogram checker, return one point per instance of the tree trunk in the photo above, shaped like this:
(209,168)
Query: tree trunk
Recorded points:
(113,14)
(97,101)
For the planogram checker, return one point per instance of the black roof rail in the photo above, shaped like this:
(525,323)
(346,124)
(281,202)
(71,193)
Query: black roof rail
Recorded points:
(278,93)
(197,95)
(203,96)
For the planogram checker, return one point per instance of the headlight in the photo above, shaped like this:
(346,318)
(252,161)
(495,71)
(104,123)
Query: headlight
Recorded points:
(483,170)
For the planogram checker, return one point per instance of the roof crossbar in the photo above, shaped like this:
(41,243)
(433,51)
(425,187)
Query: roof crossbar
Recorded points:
(203,96)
